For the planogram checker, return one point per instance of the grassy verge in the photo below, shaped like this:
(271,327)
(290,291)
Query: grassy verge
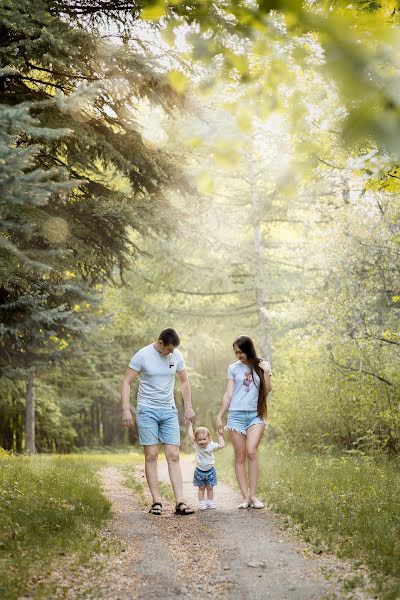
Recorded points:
(348,505)
(132,482)
(50,507)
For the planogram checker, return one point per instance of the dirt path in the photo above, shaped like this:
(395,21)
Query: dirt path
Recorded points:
(224,553)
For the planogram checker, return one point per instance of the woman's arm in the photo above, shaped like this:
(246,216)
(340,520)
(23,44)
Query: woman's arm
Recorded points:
(266,367)
(226,400)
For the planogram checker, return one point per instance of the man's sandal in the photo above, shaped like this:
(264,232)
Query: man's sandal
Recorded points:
(182,509)
(156,508)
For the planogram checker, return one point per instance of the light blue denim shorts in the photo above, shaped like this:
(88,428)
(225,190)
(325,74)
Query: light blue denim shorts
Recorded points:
(158,425)
(241,420)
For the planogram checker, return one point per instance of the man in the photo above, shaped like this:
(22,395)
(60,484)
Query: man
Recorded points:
(156,413)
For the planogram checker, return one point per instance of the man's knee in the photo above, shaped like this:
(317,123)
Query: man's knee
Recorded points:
(151,454)
(172,454)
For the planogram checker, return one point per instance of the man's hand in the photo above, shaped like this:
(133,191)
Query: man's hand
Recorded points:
(127,417)
(189,415)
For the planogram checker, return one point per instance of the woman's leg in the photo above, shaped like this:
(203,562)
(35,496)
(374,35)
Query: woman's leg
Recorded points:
(254,435)
(239,445)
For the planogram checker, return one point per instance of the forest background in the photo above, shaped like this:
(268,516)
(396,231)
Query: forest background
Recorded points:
(223,168)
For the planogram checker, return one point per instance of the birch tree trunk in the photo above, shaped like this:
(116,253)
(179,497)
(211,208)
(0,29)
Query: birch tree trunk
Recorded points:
(30,414)
(259,255)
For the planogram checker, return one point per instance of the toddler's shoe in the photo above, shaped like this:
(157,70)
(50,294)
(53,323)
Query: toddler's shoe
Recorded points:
(202,505)
(211,504)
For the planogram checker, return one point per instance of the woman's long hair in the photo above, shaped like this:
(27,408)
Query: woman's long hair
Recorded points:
(246,345)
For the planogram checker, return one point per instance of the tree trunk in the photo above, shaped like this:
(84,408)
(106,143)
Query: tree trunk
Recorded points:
(30,414)
(259,256)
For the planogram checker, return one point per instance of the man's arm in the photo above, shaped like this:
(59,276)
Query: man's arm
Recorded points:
(187,396)
(129,377)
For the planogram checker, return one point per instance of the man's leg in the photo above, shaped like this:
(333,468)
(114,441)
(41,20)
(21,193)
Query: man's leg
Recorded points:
(174,470)
(150,462)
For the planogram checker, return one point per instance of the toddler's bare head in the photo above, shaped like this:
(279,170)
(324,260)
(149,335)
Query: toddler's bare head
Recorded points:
(202,436)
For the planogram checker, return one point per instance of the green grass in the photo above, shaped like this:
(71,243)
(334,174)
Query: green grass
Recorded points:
(132,482)
(166,491)
(50,506)
(349,505)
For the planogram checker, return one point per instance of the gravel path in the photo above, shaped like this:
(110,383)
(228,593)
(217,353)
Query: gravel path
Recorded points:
(224,553)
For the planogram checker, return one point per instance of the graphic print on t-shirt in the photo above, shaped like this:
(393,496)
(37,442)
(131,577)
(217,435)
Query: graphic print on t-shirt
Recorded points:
(247,380)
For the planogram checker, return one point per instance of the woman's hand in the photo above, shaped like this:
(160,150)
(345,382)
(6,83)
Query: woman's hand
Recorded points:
(218,426)
(265,366)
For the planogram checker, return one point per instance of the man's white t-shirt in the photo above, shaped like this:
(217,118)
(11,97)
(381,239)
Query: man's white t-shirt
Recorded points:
(156,376)
(205,456)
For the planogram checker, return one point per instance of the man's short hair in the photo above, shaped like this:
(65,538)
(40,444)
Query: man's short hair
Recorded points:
(169,336)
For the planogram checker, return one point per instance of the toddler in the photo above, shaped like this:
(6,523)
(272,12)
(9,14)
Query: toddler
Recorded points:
(205,476)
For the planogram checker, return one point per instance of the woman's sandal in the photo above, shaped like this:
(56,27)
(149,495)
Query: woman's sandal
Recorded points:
(156,508)
(256,503)
(182,509)
(244,504)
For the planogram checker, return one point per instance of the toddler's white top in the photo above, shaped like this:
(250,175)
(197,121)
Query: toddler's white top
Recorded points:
(205,456)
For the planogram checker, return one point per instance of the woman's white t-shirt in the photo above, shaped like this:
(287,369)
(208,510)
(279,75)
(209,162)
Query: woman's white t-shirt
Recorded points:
(245,388)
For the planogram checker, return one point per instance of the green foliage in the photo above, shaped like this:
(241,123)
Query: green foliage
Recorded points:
(48,507)
(349,505)
(80,184)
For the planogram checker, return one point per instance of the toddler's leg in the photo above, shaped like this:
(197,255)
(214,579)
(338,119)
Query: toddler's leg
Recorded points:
(210,497)
(202,502)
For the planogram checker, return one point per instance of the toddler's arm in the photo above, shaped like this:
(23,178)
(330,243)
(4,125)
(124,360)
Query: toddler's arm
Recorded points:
(221,441)
(190,431)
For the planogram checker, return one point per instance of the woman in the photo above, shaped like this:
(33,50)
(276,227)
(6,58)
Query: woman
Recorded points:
(249,383)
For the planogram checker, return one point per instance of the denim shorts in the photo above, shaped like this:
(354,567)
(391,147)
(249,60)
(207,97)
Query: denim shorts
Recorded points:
(158,425)
(241,420)
(205,478)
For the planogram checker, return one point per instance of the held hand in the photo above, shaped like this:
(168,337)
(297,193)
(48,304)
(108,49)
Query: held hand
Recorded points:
(218,426)
(127,417)
(189,415)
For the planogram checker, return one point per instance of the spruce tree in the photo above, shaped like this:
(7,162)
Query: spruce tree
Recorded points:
(80,187)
